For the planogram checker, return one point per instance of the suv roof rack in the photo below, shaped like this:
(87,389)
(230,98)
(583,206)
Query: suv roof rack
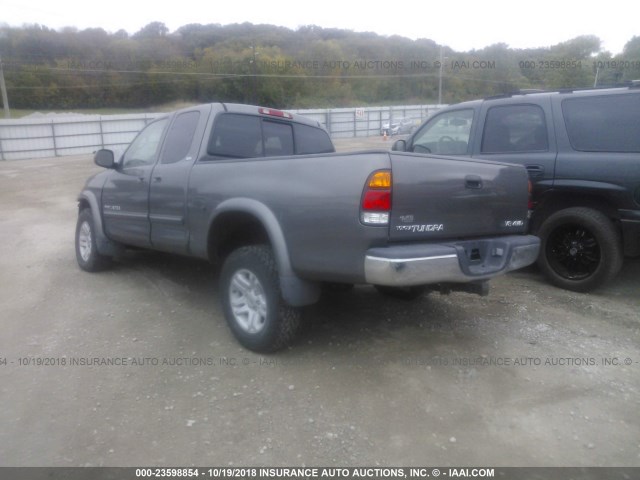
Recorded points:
(522,91)
(529,91)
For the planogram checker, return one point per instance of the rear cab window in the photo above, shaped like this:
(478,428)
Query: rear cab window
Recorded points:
(248,136)
(311,140)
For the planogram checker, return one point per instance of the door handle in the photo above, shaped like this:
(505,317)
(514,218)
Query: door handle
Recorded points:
(141,179)
(157,179)
(473,182)
(535,170)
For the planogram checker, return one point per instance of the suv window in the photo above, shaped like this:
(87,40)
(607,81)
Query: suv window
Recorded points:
(144,147)
(515,128)
(311,140)
(446,134)
(236,136)
(604,123)
(180,137)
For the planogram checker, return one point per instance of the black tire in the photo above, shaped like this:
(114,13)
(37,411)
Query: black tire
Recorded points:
(253,306)
(403,293)
(580,249)
(87,255)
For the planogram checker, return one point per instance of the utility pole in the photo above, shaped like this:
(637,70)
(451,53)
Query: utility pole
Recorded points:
(3,88)
(254,63)
(440,79)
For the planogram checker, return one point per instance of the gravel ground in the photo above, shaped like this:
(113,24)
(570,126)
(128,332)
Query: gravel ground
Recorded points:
(528,376)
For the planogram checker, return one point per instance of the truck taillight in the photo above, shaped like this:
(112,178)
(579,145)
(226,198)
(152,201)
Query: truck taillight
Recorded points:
(376,199)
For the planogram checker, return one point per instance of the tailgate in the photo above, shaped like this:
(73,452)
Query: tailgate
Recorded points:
(446,197)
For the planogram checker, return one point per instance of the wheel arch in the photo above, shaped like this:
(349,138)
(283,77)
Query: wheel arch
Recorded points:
(243,221)
(88,200)
(553,202)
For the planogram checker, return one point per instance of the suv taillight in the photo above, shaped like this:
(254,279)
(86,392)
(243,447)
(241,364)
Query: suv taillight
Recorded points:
(531,205)
(376,199)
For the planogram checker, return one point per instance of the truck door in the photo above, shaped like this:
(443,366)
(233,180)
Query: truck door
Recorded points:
(520,133)
(170,179)
(125,196)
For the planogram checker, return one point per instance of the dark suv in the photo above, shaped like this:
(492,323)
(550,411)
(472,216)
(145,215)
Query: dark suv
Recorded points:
(582,151)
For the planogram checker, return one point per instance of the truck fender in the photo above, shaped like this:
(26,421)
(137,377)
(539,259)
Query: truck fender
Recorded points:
(296,291)
(103,244)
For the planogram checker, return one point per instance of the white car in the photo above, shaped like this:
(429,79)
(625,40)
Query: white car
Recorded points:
(399,126)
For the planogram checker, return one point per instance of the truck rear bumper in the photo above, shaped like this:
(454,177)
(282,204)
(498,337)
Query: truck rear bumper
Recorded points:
(455,262)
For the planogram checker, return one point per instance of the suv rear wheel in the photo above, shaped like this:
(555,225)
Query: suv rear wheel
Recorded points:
(581,249)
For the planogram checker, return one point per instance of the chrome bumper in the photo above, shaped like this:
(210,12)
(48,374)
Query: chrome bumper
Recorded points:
(456,262)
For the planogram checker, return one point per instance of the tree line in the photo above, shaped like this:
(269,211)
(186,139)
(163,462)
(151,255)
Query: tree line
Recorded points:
(279,67)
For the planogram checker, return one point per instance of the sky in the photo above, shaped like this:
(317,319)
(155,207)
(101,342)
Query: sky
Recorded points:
(460,24)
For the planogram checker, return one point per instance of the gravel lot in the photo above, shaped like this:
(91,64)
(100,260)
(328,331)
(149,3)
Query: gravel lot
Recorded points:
(528,376)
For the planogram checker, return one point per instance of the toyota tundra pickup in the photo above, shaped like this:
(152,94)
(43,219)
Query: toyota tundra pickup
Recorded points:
(263,193)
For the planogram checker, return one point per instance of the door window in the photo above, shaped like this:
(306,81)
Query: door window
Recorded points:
(144,147)
(180,137)
(515,128)
(445,134)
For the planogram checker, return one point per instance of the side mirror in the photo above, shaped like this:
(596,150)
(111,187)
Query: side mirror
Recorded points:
(399,146)
(104,158)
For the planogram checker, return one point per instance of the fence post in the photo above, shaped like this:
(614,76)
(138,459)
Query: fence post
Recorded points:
(327,117)
(53,136)
(101,133)
(355,123)
(1,151)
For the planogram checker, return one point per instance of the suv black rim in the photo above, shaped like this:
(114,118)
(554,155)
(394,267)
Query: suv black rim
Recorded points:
(573,252)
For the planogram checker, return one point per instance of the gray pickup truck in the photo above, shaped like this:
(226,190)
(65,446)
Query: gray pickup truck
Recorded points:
(263,192)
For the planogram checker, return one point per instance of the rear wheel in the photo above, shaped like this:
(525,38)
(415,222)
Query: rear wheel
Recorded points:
(87,255)
(581,249)
(253,305)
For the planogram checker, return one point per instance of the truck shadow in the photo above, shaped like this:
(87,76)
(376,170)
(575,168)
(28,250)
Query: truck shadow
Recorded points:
(363,316)
(359,315)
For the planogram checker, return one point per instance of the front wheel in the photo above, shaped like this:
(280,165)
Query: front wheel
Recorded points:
(253,306)
(580,249)
(87,255)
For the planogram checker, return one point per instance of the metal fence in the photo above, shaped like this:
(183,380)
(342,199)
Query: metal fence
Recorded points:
(62,135)
(366,122)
